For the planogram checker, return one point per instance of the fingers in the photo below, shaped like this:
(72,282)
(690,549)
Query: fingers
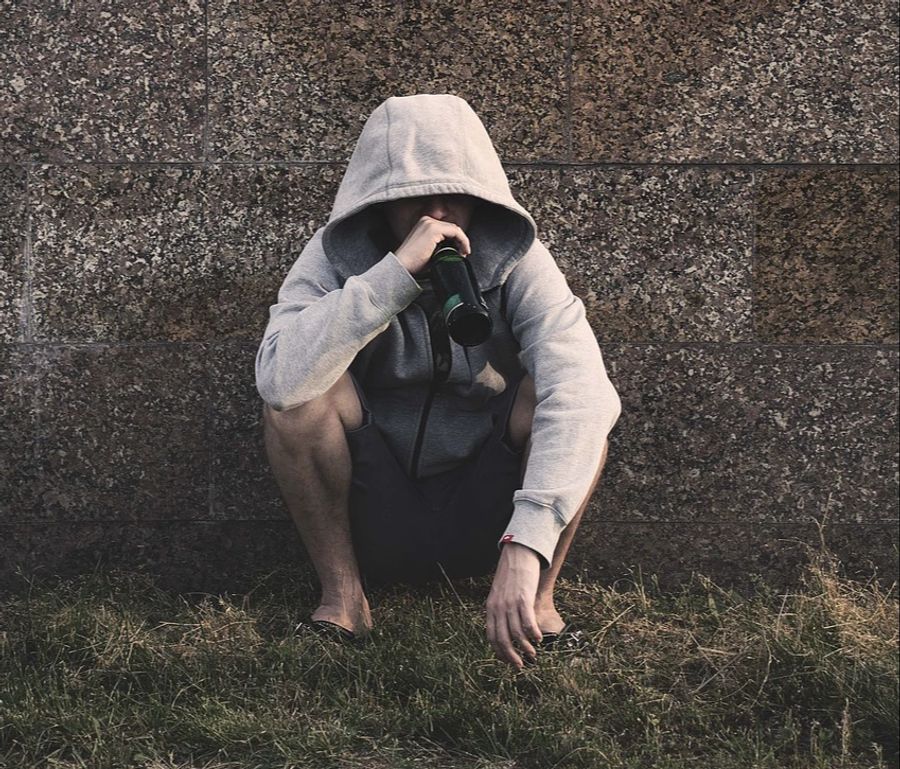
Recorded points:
(499,638)
(515,629)
(530,625)
(504,645)
(505,628)
(463,241)
(510,611)
(451,230)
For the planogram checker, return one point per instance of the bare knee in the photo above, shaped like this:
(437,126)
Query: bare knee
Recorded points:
(341,399)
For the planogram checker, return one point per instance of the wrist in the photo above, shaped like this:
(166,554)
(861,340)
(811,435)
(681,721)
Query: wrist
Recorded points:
(519,551)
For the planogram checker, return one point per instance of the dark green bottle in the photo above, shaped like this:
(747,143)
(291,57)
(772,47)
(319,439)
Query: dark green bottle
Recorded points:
(464,310)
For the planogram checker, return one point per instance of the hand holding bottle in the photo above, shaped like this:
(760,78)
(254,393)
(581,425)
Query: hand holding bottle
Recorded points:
(415,252)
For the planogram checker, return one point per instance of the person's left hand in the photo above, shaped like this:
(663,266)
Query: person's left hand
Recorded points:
(510,605)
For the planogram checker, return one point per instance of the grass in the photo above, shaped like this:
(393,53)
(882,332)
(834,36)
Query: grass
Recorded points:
(110,671)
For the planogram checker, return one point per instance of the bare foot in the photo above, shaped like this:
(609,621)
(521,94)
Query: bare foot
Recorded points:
(549,619)
(351,613)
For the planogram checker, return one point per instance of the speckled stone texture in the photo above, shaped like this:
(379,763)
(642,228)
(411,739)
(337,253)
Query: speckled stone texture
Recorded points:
(722,82)
(320,68)
(101,82)
(13,275)
(826,256)
(732,554)
(207,556)
(211,556)
(122,433)
(655,254)
(18,437)
(242,485)
(136,253)
(718,182)
(764,434)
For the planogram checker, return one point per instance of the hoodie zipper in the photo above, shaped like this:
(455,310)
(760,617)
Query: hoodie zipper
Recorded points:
(441,356)
(420,430)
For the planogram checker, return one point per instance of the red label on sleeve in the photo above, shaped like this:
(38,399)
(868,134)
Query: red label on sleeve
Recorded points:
(507,538)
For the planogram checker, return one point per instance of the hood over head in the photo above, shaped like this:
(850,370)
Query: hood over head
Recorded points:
(426,144)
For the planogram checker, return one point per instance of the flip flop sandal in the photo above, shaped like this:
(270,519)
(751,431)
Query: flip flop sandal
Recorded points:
(570,638)
(329,630)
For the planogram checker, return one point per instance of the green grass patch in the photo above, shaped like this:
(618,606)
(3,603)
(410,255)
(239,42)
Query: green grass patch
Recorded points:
(111,671)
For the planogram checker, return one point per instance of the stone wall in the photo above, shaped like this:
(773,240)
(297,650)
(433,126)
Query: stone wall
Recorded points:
(719,182)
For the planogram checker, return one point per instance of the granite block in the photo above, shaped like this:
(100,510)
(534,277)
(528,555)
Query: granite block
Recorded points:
(152,253)
(734,555)
(774,82)
(243,486)
(258,219)
(235,556)
(123,433)
(203,556)
(97,83)
(655,254)
(18,434)
(745,433)
(826,255)
(13,239)
(298,80)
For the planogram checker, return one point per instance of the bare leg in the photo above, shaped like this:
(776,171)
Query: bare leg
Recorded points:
(520,421)
(547,616)
(307,448)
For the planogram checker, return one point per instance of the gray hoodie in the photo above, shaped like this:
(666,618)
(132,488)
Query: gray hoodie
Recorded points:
(348,302)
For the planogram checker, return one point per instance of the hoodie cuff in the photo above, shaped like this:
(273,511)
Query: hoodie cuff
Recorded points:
(534,526)
(391,285)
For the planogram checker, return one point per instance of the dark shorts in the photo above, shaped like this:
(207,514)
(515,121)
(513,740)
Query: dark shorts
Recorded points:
(407,531)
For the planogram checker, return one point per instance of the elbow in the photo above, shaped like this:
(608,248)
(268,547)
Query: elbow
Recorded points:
(275,399)
(610,406)
(279,387)
(613,407)
(268,395)
(617,412)
(272,395)
(273,405)
(265,378)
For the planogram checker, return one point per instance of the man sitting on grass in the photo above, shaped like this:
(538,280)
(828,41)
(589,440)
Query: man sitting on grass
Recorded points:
(402,455)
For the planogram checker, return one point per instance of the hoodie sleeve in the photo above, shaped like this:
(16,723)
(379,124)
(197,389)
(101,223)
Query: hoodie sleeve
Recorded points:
(576,404)
(317,327)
